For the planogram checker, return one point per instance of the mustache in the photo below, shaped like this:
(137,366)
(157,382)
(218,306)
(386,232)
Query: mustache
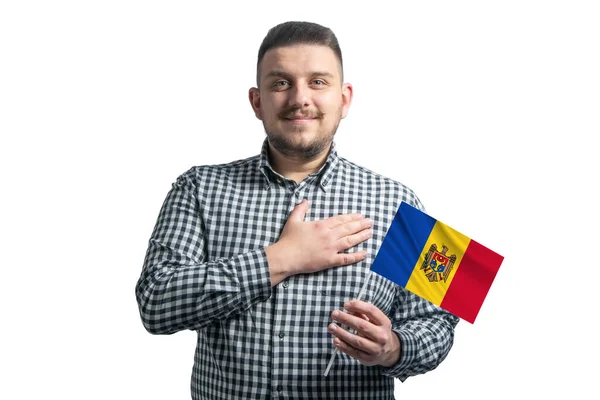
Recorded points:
(295,112)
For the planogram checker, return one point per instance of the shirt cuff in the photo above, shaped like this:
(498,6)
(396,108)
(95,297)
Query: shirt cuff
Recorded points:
(408,353)
(254,277)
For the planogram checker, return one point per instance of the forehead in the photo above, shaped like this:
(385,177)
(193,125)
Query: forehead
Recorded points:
(300,60)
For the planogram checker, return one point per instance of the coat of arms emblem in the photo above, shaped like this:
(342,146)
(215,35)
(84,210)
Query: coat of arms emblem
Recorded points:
(438,265)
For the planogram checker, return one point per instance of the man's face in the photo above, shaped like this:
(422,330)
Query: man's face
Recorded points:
(301,99)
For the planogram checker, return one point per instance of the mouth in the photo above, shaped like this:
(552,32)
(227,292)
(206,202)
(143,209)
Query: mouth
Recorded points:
(300,119)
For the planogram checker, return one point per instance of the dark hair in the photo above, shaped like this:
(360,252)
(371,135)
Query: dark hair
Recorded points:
(298,32)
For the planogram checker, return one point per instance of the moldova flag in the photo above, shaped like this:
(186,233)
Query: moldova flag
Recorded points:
(436,262)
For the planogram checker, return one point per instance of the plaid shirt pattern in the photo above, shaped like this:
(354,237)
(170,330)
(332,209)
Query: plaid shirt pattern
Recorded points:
(206,270)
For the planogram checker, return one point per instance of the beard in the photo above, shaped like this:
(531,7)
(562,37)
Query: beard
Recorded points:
(291,148)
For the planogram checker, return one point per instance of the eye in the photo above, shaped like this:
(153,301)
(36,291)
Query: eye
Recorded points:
(280,84)
(318,82)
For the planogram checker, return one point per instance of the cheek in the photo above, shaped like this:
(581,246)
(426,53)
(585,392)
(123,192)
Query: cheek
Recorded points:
(271,109)
(330,104)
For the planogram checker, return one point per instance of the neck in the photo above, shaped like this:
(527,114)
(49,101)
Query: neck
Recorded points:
(296,169)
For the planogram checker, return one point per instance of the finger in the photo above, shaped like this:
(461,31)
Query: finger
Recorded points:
(375,315)
(337,220)
(361,315)
(352,240)
(351,227)
(358,342)
(348,258)
(364,358)
(359,325)
(299,212)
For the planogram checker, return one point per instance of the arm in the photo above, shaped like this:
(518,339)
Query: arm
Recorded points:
(178,289)
(426,334)
(415,339)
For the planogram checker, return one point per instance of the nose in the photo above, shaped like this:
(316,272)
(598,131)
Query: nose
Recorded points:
(299,96)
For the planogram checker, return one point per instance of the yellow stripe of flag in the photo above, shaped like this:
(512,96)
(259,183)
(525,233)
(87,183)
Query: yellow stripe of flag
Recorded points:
(441,235)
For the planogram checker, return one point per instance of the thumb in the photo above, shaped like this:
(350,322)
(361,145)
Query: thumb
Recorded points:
(299,212)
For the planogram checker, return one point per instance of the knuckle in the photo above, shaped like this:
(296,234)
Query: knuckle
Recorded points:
(348,241)
(371,308)
(346,229)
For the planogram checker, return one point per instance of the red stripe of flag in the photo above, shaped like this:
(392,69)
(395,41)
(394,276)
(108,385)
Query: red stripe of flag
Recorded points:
(472,281)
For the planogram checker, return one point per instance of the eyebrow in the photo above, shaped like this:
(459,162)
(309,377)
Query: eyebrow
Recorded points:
(282,74)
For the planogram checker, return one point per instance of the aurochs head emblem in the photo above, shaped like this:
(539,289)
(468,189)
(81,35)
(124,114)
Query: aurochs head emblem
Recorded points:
(438,265)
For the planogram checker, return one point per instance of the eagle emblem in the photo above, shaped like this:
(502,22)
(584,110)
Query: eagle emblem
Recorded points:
(438,265)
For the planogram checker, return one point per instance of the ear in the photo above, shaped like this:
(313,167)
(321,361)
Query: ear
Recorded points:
(347,92)
(254,97)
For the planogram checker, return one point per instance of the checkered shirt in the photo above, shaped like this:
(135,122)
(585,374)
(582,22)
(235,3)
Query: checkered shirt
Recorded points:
(206,270)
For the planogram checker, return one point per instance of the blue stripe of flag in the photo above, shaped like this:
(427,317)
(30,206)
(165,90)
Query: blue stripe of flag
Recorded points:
(403,244)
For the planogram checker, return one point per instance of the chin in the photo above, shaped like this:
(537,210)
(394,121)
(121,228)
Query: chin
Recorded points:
(300,147)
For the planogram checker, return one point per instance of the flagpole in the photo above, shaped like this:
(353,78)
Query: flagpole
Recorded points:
(360,295)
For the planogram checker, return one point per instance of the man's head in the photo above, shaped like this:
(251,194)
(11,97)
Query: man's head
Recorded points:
(300,97)
(293,33)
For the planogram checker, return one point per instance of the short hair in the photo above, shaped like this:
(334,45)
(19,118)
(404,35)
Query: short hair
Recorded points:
(298,32)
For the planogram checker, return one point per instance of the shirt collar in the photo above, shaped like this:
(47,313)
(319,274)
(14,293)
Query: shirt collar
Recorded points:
(324,174)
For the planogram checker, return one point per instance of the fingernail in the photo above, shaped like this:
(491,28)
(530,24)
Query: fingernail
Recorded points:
(335,314)
(348,305)
(332,327)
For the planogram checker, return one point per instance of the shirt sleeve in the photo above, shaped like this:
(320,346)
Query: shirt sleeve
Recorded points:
(178,288)
(426,334)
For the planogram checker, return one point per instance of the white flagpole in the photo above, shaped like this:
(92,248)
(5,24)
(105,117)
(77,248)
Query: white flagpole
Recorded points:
(360,295)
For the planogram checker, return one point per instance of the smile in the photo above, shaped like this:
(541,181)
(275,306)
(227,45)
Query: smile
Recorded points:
(300,121)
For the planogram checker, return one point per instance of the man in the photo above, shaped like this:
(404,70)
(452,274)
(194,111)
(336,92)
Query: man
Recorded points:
(262,256)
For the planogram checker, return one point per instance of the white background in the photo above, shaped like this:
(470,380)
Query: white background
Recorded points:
(488,110)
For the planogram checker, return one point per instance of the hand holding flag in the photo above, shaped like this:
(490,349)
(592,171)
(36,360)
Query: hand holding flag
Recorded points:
(432,260)
(374,342)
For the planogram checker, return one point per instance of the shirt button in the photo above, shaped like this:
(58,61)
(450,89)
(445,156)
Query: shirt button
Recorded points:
(286,284)
(297,194)
(281,335)
(279,388)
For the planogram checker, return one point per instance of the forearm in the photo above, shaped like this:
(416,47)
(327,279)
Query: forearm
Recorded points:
(173,295)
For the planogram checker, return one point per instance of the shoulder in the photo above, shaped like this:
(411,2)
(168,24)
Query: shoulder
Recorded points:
(200,175)
(384,186)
